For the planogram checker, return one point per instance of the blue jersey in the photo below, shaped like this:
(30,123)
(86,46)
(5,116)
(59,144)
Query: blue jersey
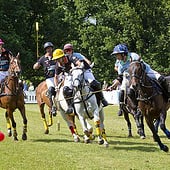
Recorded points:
(124,65)
(79,56)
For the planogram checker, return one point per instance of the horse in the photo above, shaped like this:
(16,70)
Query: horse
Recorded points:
(129,108)
(42,100)
(12,98)
(151,101)
(86,107)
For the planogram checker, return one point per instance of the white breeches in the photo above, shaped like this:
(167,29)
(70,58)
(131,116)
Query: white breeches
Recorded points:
(50,82)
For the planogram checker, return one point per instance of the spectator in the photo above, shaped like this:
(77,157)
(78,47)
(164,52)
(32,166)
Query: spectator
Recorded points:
(25,86)
(31,87)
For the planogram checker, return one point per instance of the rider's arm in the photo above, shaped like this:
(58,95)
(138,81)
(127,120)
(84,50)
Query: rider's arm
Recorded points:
(36,66)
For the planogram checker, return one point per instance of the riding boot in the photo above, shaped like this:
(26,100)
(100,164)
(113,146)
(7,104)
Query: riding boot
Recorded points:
(51,94)
(96,86)
(121,103)
(164,85)
(67,92)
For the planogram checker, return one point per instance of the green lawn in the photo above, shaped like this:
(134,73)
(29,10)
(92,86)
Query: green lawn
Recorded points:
(58,151)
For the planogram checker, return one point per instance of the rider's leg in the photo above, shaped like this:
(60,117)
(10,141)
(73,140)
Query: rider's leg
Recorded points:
(121,102)
(133,97)
(96,86)
(68,92)
(51,94)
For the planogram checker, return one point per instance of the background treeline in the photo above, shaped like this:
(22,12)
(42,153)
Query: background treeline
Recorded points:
(93,27)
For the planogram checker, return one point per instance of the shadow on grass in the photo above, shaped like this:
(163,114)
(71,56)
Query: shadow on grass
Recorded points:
(130,146)
(52,140)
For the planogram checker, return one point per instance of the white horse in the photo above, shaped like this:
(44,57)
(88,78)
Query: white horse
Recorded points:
(86,107)
(62,106)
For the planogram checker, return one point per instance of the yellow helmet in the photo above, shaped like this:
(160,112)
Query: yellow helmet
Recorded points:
(58,53)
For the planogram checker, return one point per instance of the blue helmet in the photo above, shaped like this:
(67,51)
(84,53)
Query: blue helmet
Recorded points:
(119,49)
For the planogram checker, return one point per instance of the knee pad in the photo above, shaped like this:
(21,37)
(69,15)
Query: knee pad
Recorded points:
(67,91)
(51,91)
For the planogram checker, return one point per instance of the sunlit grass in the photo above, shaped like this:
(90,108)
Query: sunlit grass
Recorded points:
(58,151)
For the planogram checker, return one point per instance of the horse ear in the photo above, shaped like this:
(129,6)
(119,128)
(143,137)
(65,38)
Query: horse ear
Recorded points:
(18,55)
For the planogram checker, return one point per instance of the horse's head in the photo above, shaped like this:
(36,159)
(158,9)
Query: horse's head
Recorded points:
(15,66)
(136,72)
(78,77)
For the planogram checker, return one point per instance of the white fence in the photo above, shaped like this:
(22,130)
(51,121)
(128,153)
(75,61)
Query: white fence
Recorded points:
(30,97)
(111,96)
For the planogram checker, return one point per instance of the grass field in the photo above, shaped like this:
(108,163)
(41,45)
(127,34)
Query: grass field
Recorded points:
(57,151)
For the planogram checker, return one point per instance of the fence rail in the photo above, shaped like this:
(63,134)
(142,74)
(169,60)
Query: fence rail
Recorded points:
(111,96)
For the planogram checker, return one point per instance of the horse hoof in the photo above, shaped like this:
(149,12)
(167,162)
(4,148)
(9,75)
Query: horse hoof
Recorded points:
(46,132)
(86,139)
(24,137)
(15,139)
(100,141)
(106,144)
(165,148)
(142,137)
(76,138)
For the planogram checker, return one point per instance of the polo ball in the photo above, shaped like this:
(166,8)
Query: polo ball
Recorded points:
(2,136)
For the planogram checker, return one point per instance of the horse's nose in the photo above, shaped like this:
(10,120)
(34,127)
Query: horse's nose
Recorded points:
(18,73)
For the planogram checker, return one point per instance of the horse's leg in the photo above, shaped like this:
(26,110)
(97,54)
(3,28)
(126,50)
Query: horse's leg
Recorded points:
(8,124)
(139,123)
(162,124)
(126,117)
(22,111)
(71,124)
(41,106)
(50,118)
(155,135)
(11,116)
(101,114)
(156,124)
(90,130)
(83,123)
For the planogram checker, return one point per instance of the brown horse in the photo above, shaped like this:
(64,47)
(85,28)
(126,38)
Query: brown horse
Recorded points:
(150,100)
(43,100)
(12,97)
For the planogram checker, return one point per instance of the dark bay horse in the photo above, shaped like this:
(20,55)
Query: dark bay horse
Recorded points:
(12,98)
(150,100)
(42,100)
(128,108)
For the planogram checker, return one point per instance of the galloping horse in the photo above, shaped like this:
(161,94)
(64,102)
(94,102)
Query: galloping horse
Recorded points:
(43,99)
(150,100)
(12,97)
(85,104)
(129,107)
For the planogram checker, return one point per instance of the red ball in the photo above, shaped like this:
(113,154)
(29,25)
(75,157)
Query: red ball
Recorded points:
(2,136)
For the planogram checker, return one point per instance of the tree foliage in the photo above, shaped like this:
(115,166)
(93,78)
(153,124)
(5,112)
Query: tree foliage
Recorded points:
(93,27)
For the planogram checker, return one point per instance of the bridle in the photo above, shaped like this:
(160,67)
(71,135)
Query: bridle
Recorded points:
(14,72)
(143,80)
(83,96)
